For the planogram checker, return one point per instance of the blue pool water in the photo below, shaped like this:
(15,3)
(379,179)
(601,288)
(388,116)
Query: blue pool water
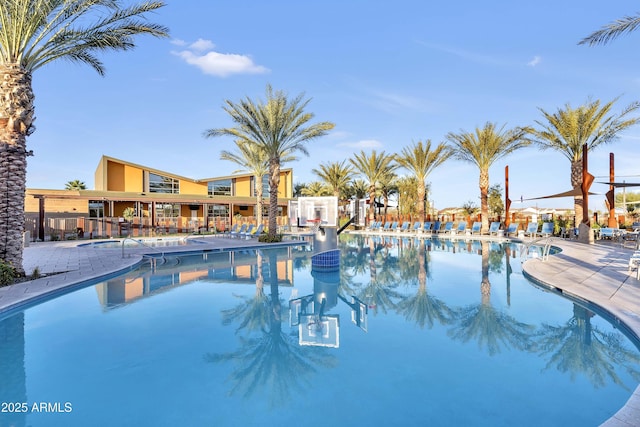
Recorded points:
(407,332)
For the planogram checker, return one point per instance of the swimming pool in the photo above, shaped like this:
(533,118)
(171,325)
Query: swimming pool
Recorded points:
(148,242)
(408,332)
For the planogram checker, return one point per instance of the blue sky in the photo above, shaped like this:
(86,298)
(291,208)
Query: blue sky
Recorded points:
(386,73)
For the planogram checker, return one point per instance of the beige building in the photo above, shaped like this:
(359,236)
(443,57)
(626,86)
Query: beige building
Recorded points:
(162,202)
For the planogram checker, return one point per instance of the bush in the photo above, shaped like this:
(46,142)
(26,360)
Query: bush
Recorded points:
(8,274)
(264,238)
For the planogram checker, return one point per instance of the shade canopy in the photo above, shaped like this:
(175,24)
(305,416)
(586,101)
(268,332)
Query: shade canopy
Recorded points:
(571,193)
(622,184)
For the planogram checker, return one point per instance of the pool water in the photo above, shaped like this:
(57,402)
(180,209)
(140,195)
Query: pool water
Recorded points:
(407,332)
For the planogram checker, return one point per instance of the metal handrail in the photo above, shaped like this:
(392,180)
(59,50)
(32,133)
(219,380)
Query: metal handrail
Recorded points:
(143,244)
(546,248)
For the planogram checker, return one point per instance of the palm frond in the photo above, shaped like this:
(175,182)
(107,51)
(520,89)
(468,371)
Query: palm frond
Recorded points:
(612,30)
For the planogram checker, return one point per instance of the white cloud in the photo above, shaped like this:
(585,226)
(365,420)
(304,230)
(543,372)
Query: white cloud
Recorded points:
(178,42)
(202,45)
(363,144)
(535,61)
(201,54)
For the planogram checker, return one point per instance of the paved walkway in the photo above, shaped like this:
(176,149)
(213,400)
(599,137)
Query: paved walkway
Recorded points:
(597,273)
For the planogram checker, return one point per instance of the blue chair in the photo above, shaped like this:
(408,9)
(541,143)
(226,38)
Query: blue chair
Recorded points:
(426,227)
(512,229)
(405,226)
(547,230)
(416,226)
(494,228)
(436,227)
(448,226)
(239,232)
(532,229)
(476,227)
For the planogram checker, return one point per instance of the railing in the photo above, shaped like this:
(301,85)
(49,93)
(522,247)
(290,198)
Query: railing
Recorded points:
(546,248)
(143,244)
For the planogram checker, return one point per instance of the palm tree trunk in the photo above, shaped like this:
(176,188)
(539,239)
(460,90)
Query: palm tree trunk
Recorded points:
(484,197)
(576,183)
(372,203)
(421,191)
(274,183)
(16,123)
(258,200)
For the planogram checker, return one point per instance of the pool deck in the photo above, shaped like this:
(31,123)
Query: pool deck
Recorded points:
(597,273)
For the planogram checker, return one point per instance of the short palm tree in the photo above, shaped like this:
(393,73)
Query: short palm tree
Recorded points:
(569,129)
(484,147)
(612,30)
(76,184)
(316,189)
(373,167)
(34,33)
(420,160)
(336,175)
(254,161)
(280,127)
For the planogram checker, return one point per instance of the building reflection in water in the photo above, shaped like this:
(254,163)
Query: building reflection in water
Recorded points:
(239,267)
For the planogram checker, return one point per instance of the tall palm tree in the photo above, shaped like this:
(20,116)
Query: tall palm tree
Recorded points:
(76,184)
(483,148)
(253,160)
(357,189)
(34,33)
(612,30)
(387,186)
(568,129)
(421,161)
(373,167)
(336,175)
(280,127)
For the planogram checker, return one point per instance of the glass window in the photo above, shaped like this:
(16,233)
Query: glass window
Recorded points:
(220,187)
(96,209)
(167,210)
(218,210)
(265,187)
(163,184)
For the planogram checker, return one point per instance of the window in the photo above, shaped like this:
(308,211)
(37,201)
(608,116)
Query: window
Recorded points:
(218,210)
(163,184)
(265,186)
(221,187)
(167,210)
(96,209)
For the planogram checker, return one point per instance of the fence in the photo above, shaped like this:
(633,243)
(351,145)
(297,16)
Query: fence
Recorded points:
(69,228)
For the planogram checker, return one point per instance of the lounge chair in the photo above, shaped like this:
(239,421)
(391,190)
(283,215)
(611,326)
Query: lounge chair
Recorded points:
(233,229)
(634,263)
(405,226)
(547,229)
(385,227)
(242,230)
(416,226)
(476,227)
(426,227)
(448,226)
(255,233)
(436,227)
(460,229)
(531,230)
(494,228)
(247,232)
(608,233)
(394,227)
(512,229)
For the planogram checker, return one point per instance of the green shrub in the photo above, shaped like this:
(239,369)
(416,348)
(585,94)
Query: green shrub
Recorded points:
(264,238)
(7,274)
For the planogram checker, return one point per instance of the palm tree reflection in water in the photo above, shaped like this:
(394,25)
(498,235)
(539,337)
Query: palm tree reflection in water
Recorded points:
(272,362)
(269,362)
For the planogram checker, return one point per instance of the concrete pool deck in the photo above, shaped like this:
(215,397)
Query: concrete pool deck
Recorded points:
(597,273)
